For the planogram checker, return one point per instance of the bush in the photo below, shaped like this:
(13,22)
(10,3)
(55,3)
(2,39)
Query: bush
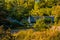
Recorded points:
(40,25)
(37,35)
(47,20)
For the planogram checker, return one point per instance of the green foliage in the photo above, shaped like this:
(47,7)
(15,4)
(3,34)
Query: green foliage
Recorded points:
(56,13)
(47,20)
(45,11)
(19,9)
(40,25)
(43,23)
(57,19)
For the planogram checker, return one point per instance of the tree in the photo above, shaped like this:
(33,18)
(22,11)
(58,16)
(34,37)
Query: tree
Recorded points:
(56,13)
(36,10)
(17,11)
(20,2)
(29,4)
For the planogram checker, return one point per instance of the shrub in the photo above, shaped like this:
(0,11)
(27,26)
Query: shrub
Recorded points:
(37,35)
(40,25)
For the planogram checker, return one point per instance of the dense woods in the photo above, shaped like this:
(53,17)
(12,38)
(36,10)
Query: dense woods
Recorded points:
(39,15)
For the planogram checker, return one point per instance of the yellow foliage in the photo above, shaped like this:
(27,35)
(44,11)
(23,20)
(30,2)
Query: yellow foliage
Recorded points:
(56,10)
(20,2)
(37,35)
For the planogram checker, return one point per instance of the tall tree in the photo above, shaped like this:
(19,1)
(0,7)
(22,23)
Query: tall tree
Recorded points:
(56,13)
